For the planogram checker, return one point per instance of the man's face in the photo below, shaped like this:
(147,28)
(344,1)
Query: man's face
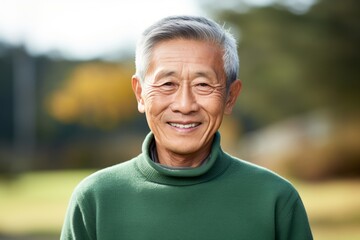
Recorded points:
(184,95)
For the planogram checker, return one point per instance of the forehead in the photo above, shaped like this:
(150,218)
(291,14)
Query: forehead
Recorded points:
(178,53)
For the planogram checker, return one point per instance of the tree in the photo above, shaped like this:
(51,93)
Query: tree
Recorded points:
(96,95)
(293,63)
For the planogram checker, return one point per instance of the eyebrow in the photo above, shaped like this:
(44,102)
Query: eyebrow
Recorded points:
(206,74)
(164,73)
(210,75)
(170,73)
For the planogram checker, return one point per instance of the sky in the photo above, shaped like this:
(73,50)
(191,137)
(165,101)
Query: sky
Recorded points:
(84,29)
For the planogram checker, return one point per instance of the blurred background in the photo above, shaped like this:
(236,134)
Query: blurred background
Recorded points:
(67,108)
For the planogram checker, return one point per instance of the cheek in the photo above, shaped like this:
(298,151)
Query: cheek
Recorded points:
(214,105)
(154,102)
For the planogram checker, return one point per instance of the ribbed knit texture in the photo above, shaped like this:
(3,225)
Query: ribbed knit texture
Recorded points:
(225,198)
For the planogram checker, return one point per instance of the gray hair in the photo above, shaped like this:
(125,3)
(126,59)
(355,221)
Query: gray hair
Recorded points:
(187,27)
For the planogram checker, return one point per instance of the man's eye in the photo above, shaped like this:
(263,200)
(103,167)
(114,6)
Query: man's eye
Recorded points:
(204,88)
(168,84)
(168,87)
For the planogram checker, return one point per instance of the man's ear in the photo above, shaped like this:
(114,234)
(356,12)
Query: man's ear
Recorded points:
(233,94)
(137,88)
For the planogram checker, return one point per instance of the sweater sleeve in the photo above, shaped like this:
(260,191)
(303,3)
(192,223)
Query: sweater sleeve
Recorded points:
(77,223)
(292,221)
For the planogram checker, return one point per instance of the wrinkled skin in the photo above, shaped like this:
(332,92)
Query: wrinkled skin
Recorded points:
(184,99)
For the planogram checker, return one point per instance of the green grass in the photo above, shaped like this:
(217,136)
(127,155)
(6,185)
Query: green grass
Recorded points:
(34,204)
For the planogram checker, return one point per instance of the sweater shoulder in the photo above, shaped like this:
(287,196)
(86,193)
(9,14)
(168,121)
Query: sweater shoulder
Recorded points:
(258,175)
(263,184)
(105,179)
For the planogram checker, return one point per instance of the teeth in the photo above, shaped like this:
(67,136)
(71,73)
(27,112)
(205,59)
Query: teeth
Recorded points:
(191,125)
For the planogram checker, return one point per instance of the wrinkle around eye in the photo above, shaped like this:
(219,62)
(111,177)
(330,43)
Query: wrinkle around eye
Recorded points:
(208,87)
(203,88)
(166,87)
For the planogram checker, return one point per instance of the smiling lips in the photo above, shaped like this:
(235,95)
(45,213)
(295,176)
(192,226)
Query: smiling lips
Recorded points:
(184,126)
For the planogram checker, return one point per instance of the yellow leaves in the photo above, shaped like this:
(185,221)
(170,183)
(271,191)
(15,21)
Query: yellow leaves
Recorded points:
(64,107)
(95,94)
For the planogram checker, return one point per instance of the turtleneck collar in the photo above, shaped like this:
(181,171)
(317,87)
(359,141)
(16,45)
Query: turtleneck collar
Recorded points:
(154,157)
(215,164)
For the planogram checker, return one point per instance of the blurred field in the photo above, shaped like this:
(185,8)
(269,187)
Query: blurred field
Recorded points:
(32,206)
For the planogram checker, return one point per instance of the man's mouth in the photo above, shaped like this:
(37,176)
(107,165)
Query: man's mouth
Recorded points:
(184,126)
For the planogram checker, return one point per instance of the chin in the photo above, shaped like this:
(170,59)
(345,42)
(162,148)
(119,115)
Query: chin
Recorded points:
(185,147)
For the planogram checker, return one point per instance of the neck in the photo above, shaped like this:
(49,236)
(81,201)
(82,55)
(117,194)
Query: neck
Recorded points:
(172,159)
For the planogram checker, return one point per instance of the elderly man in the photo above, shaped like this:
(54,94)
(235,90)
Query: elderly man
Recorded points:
(182,185)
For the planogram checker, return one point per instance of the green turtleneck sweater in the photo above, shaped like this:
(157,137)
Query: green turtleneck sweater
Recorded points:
(224,198)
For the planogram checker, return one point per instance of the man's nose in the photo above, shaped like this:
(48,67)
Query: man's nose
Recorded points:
(184,100)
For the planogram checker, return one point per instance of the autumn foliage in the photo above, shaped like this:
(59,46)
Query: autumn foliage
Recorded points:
(96,95)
